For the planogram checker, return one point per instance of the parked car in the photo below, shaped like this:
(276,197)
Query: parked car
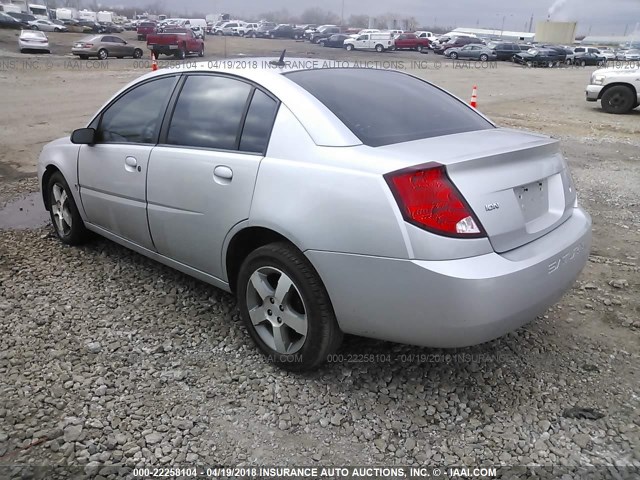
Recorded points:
(607,53)
(105,46)
(410,41)
(217,27)
(424,34)
(450,196)
(7,21)
(198,32)
(93,27)
(110,27)
(47,26)
(456,42)
(245,29)
(631,55)
(584,59)
(30,40)
(538,57)
(334,41)
(285,31)
(178,42)
(504,50)
(562,52)
(76,27)
(228,28)
(474,52)
(25,18)
(379,42)
(580,50)
(144,29)
(618,88)
(324,31)
(263,30)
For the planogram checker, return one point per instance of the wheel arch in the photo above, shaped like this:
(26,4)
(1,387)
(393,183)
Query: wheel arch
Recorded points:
(48,172)
(617,84)
(244,241)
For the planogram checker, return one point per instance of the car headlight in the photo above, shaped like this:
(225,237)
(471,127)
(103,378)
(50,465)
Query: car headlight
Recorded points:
(597,79)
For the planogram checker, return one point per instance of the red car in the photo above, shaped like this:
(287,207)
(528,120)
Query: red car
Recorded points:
(145,28)
(178,42)
(409,41)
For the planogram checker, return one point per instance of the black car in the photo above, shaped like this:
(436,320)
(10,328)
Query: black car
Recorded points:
(335,41)
(263,30)
(7,21)
(456,42)
(285,31)
(109,27)
(504,50)
(584,59)
(323,32)
(561,51)
(22,17)
(538,57)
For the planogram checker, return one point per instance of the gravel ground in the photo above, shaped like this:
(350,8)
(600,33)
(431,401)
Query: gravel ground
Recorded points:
(110,361)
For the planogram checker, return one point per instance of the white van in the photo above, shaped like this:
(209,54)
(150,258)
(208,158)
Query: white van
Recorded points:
(197,22)
(371,41)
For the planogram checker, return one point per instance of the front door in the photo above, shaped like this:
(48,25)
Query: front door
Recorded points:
(112,172)
(202,175)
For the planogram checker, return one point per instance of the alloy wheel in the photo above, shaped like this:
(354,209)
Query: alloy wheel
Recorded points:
(61,211)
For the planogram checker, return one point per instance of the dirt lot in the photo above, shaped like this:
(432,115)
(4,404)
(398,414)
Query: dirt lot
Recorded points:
(107,358)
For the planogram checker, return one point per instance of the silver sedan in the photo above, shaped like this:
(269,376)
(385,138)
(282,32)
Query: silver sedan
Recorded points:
(385,208)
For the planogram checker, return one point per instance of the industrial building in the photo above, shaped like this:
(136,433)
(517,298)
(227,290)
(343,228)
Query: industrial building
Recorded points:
(562,33)
(496,34)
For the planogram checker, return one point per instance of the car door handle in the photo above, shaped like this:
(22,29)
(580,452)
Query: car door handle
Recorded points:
(131,164)
(223,172)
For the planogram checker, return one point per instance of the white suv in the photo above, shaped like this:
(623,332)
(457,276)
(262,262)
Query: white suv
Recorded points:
(618,89)
(244,28)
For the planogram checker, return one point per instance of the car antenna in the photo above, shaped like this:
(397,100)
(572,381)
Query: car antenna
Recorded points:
(280,61)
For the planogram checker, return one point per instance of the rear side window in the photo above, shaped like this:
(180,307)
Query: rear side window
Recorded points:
(258,124)
(209,112)
(382,107)
(135,117)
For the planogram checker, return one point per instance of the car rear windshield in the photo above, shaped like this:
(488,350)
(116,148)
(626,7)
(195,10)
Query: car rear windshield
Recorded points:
(382,107)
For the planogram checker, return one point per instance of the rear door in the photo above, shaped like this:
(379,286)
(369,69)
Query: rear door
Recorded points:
(202,175)
(112,172)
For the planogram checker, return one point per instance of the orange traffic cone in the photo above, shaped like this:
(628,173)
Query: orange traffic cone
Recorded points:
(474,97)
(154,63)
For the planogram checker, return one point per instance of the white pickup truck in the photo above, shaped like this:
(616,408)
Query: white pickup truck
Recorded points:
(617,88)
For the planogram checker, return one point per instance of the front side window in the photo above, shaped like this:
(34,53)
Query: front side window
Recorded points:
(209,112)
(136,116)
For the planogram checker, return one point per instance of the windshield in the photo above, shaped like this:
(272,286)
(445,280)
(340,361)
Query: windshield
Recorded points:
(383,107)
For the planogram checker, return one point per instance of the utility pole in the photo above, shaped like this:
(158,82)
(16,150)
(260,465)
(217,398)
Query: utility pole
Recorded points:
(342,15)
(531,23)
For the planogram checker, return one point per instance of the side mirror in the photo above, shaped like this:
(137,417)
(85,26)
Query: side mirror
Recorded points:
(84,136)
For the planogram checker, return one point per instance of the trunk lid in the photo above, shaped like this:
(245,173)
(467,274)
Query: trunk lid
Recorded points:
(516,183)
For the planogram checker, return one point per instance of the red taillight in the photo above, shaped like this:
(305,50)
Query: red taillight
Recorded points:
(429,200)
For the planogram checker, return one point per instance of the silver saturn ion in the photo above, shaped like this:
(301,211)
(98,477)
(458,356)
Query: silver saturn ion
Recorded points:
(329,200)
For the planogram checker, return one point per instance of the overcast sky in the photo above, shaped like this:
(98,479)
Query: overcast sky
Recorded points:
(600,17)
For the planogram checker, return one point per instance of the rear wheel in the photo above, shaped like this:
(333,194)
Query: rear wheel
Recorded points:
(84,57)
(64,213)
(419,48)
(34,27)
(137,53)
(253,35)
(181,54)
(484,57)
(618,99)
(322,43)
(201,52)
(103,54)
(286,308)
(349,47)
(453,55)
(379,48)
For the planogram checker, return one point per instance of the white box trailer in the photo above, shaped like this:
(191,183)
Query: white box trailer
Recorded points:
(87,15)
(66,13)
(104,17)
(39,11)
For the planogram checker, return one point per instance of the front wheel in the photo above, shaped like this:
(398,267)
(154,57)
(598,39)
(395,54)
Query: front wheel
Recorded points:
(286,308)
(618,99)
(201,52)
(253,35)
(64,213)
(453,55)
(34,27)
(182,54)
(484,58)
(583,63)
(322,44)
(349,47)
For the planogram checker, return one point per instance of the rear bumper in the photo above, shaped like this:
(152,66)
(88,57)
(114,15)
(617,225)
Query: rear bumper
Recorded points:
(593,92)
(454,303)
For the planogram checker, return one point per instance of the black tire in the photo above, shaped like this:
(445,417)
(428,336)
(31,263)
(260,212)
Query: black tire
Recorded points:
(253,35)
(103,54)
(453,55)
(296,37)
(419,48)
(349,47)
(84,57)
(137,53)
(618,99)
(272,36)
(77,233)
(322,43)
(583,63)
(201,52)
(484,57)
(181,54)
(379,48)
(34,27)
(323,335)
(57,30)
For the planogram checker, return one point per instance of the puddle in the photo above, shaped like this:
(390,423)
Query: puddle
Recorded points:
(27,212)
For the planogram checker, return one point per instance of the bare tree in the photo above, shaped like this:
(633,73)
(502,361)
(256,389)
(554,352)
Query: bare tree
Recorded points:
(358,21)
(319,16)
